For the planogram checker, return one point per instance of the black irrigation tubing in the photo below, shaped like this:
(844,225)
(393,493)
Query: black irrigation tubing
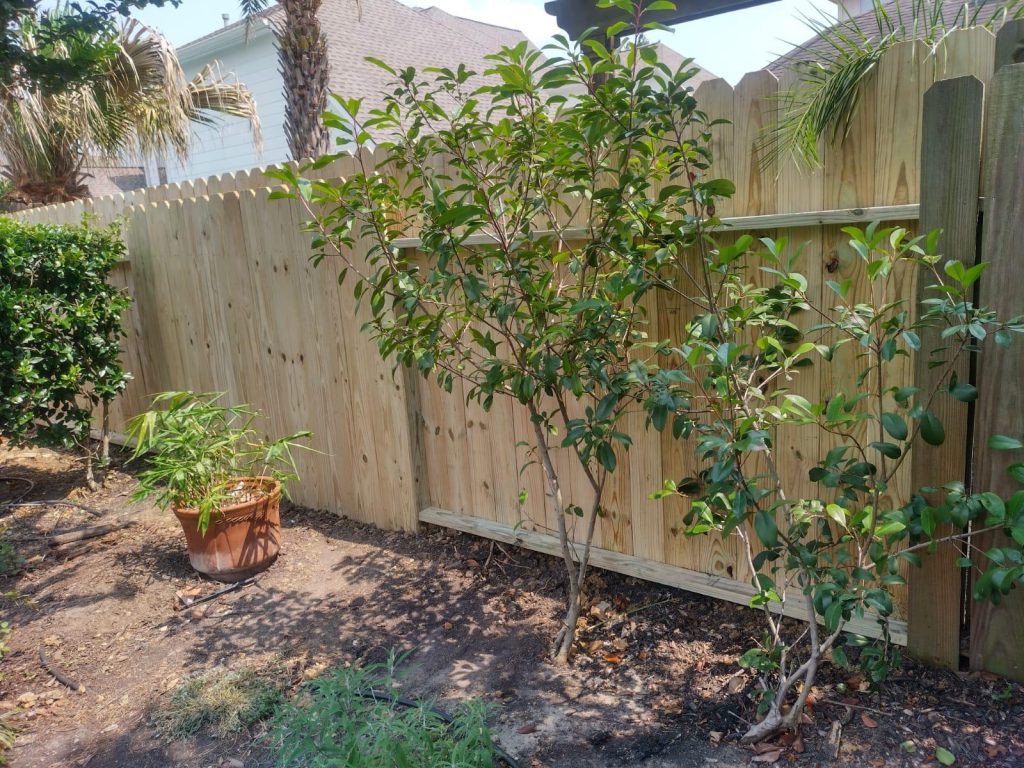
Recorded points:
(444,717)
(7,506)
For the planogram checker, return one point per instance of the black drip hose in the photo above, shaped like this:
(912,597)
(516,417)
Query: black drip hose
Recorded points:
(7,506)
(442,716)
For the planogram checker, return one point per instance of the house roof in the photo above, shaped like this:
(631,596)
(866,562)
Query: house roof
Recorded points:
(395,33)
(501,36)
(673,59)
(899,12)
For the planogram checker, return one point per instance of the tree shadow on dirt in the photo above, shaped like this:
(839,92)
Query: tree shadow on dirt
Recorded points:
(363,594)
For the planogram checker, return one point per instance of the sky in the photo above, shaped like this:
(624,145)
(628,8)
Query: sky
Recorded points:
(729,45)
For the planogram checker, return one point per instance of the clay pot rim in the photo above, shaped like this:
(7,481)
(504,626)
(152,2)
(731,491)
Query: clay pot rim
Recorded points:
(271,491)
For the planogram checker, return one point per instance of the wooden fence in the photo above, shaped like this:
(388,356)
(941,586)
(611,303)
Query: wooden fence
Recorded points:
(226,300)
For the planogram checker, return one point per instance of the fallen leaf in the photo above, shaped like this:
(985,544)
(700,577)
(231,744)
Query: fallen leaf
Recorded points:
(448,626)
(798,746)
(765,746)
(868,720)
(716,737)
(767,757)
(736,683)
(612,658)
(643,655)
(596,647)
(994,750)
(788,738)
(619,644)
(525,729)
(51,640)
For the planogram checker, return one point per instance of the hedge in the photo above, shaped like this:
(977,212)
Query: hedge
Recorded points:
(60,328)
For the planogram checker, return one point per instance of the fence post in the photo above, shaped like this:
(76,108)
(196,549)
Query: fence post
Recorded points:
(950,160)
(1010,43)
(997,632)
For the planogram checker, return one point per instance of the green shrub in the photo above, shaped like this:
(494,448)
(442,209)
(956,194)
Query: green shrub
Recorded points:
(333,723)
(60,328)
(218,700)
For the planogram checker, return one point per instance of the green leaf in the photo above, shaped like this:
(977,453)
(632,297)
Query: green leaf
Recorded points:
(839,657)
(1004,443)
(932,430)
(965,393)
(719,187)
(894,424)
(766,528)
(888,450)
(606,456)
(944,756)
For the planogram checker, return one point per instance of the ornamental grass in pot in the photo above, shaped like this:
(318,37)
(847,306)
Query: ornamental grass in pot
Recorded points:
(207,463)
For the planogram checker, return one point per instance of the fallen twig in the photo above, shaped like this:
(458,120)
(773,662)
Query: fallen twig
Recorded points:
(57,672)
(630,611)
(74,548)
(92,532)
(853,706)
(835,738)
(51,503)
(189,603)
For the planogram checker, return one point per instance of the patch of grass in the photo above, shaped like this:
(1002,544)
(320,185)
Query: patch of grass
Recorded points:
(334,724)
(218,700)
(7,736)
(10,560)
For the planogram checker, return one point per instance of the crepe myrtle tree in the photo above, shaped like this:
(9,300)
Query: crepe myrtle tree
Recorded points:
(837,549)
(503,294)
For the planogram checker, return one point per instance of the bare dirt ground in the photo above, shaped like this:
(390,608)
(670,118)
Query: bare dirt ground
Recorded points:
(656,683)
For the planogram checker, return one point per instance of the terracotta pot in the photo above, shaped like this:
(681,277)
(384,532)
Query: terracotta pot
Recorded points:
(242,539)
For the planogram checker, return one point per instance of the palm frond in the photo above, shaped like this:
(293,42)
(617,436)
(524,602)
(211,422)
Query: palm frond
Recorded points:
(142,106)
(834,66)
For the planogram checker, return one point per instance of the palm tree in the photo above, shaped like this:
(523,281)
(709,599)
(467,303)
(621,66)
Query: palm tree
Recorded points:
(304,67)
(141,106)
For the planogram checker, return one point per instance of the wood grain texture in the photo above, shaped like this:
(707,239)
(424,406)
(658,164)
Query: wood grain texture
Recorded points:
(997,632)
(950,161)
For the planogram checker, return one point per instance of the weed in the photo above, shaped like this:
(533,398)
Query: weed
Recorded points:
(7,736)
(336,722)
(10,560)
(7,733)
(219,700)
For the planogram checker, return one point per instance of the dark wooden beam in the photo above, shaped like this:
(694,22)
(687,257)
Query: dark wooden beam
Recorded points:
(575,16)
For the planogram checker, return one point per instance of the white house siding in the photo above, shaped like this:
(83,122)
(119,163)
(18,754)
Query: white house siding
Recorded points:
(228,145)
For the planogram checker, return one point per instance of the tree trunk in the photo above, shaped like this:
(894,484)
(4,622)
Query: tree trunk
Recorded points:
(302,57)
